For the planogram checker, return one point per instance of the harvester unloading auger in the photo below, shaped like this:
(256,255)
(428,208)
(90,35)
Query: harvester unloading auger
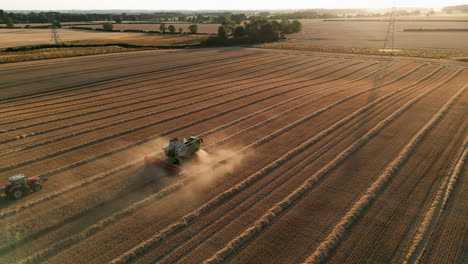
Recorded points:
(177,153)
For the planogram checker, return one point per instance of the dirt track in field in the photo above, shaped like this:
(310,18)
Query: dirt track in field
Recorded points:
(318,148)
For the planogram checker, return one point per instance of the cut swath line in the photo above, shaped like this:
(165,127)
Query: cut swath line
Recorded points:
(432,216)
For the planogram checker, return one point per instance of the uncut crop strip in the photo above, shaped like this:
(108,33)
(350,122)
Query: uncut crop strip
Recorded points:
(223,197)
(267,219)
(431,218)
(141,108)
(106,124)
(113,171)
(72,240)
(78,87)
(20,164)
(307,162)
(333,241)
(159,78)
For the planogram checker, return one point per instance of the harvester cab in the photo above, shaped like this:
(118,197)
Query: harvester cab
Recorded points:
(177,152)
(19,185)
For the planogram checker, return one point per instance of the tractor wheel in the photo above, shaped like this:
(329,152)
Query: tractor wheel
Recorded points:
(37,187)
(16,193)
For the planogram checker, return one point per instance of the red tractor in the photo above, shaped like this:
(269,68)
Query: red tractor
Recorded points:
(20,185)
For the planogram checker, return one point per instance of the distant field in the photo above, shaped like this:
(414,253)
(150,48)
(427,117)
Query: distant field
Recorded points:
(46,24)
(19,37)
(202,28)
(371,34)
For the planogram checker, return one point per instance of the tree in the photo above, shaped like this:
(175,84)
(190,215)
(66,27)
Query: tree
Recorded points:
(296,26)
(238,18)
(172,29)
(239,31)
(222,33)
(9,22)
(2,16)
(118,20)
(180,30)
(163,28)
(193,29)
(108,26)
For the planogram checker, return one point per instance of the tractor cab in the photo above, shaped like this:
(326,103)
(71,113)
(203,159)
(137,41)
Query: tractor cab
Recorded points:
(17,179)
(19,185)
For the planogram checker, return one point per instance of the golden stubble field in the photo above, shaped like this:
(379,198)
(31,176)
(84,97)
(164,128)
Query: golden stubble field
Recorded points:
(372,34)
(312,157)
(20,36)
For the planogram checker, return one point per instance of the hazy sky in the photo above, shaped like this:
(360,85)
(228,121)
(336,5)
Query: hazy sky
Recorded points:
(215,4)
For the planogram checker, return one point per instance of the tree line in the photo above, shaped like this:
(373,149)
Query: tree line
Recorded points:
(256,31)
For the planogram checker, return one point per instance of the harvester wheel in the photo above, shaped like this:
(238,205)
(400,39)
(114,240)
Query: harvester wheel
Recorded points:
(37,187)
(16,193)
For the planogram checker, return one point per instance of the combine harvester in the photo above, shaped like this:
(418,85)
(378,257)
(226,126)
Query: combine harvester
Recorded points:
(20,185)
(178,152)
